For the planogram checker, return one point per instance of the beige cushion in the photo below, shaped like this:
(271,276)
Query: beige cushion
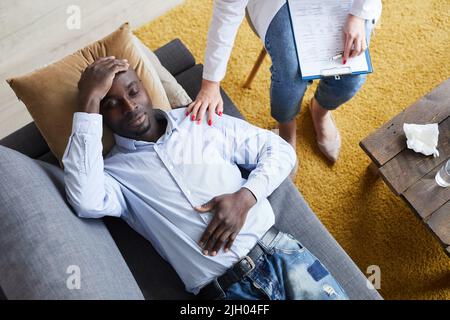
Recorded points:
(50,93)
(175,93)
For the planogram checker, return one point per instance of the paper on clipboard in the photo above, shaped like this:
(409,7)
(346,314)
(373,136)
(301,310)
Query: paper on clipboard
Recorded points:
(318,32)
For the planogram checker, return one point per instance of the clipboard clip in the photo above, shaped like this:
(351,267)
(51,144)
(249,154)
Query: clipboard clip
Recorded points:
(336,72)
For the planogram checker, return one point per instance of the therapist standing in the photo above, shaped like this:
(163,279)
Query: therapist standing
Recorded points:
(273,25)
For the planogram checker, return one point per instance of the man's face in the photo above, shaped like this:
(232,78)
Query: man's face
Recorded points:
(127,108)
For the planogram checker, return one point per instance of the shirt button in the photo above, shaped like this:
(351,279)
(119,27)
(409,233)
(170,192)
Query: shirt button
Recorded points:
(171,167)
(188,192)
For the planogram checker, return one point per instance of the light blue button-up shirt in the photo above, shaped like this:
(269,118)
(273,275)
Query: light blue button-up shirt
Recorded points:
(154,186)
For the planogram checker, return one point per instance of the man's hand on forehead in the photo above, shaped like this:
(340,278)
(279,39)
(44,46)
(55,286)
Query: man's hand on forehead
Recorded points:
(96,80)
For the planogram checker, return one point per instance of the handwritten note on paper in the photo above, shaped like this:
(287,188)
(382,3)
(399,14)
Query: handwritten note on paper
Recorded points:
(318,32)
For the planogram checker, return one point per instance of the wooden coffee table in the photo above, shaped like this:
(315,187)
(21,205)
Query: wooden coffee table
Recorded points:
(410,175)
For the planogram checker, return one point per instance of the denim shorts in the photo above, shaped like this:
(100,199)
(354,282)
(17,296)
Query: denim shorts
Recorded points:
(286,271)
(287,87)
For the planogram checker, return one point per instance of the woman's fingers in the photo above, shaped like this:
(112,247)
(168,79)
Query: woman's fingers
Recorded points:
(201,112)
(208,100)
(199,108)
(347,47)
(357,48)
(190,107)
(364,45)
(194,110)
(211,110)
(354,37)
(219,109)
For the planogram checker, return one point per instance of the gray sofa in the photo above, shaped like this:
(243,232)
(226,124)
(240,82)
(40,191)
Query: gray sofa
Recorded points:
(40,236)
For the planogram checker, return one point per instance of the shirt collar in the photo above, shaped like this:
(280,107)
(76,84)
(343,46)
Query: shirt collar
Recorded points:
(131,144)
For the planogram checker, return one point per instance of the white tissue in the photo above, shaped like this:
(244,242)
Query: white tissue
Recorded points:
(422,138)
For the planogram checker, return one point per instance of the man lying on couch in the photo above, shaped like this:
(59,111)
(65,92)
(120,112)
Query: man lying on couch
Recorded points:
(177,183)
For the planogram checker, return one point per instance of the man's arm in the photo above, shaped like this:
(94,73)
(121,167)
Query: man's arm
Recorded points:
(269,158)
(91,191)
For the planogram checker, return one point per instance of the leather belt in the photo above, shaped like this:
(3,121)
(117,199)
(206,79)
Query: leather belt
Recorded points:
(215,288)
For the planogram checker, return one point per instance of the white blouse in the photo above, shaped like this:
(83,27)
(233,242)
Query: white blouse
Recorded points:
(228,15)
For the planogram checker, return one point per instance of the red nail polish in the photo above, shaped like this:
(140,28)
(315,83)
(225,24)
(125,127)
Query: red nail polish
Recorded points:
(209,122)
(220,113)
(193,117)
(345,61)
(187,113)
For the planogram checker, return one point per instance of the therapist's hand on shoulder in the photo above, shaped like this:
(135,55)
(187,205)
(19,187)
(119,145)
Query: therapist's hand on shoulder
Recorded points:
(208,102)
(354,37)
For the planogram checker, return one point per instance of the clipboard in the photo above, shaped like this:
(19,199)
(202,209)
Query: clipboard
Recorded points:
(327,19)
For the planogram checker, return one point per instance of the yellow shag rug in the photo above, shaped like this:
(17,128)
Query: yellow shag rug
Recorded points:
(411,55)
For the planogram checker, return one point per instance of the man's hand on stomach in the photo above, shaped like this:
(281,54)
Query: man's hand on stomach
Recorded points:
(230,212)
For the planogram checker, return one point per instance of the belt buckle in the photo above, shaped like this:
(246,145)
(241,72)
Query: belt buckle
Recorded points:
(250,262)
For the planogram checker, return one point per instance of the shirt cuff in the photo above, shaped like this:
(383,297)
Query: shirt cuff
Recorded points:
(210,76)
(87,123)
(365,9)
(256,187)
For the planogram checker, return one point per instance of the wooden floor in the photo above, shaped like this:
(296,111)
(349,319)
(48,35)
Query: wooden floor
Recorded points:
(34,33)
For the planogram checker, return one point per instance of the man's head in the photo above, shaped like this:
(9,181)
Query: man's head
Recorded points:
(127,108)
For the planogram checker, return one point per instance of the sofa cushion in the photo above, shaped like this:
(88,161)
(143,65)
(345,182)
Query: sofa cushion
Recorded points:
(50,93)
(44,244)
(175,57)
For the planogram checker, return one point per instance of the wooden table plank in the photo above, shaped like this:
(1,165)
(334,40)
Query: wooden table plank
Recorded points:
(440,223)
(426,196)
(412,175)
(408,166)
(389,140)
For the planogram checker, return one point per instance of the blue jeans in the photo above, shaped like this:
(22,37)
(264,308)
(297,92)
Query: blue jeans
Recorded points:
(287,87)
(286,271)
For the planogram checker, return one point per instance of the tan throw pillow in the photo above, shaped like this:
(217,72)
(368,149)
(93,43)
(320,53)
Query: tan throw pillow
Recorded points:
(175,93)
(50,93)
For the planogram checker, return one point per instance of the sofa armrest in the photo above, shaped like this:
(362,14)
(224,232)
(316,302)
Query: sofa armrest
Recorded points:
(27,140)
(175,57)
(45,246)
